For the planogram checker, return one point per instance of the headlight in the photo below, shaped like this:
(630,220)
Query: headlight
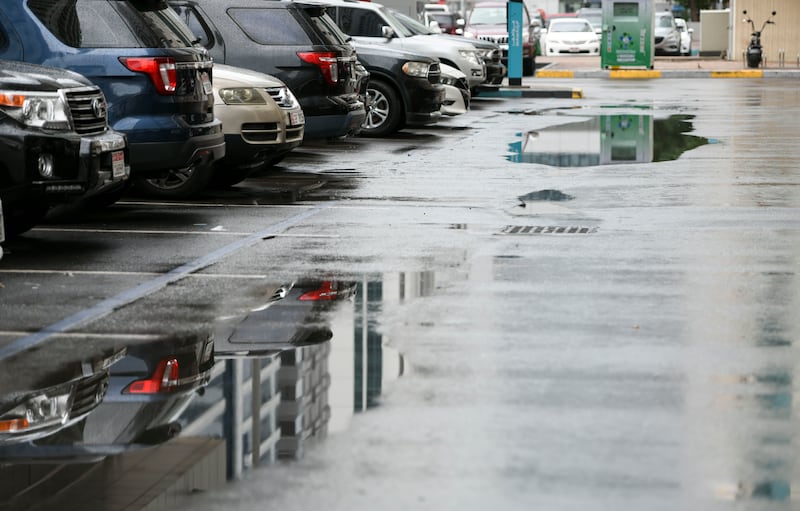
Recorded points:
(470,56)
(36,412)
(283,97)
(40,110)
(241,96)
(417,69)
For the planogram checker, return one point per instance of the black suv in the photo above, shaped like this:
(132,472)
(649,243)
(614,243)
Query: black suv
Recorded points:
(296,42)
(156,81)
(55,144)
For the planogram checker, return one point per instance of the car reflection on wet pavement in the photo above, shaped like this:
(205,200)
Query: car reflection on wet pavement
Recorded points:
(615,337)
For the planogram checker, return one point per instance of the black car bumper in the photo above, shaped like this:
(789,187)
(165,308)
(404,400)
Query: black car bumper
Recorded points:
(203,144)
(424,101)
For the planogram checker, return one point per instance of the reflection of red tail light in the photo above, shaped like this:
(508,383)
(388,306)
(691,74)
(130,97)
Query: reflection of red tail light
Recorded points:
(326,291)
(164,379)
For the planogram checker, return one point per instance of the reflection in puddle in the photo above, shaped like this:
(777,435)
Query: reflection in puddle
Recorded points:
(608,139)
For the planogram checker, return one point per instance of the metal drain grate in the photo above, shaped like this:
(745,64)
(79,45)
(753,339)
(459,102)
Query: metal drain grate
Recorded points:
(547,229)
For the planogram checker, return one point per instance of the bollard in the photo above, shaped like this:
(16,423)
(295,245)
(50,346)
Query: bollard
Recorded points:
(744,58)
(781,57)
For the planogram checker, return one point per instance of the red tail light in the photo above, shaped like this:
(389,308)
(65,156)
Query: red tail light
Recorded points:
(326,291)
(326,61)
(161,70)
(164,379)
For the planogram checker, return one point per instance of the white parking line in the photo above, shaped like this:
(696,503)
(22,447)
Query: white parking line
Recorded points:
(151,231)
(70,273)
(146,288)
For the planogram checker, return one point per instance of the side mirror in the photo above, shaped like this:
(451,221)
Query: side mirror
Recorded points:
(387,32)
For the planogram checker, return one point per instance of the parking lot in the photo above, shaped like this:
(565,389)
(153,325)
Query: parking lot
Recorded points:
(611,332)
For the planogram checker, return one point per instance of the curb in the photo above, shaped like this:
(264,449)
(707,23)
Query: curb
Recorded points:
(646,74)
(527,92)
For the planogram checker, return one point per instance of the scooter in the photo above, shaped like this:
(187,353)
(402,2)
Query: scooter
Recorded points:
(755,52)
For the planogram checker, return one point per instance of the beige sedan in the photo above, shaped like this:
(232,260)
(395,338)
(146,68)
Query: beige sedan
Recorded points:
(261,119)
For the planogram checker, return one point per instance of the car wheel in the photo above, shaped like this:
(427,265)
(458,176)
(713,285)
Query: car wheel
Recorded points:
(226,176)
(23,219)
(384,113)
(528,66)
(178,183)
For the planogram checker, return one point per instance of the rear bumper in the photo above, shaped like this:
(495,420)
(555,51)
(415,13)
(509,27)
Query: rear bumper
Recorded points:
(323,126)
(199,143)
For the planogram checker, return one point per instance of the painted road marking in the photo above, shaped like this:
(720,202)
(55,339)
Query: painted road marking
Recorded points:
(147,288)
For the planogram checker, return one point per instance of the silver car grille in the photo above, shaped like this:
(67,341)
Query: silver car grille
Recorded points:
(499,39)
(281,97)
(88,109)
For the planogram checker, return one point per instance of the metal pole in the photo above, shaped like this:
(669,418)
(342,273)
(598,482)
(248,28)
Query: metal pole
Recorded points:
(255,414)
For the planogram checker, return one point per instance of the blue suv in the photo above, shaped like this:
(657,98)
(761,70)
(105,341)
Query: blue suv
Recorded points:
(156,80)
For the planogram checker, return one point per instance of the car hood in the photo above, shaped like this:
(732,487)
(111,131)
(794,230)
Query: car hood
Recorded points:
(31,77)
(231,76)
(452,72)
(663,31)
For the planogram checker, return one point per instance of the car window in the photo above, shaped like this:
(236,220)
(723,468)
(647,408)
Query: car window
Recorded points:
(664,21)
(414,26)
(488,16)
(163,23)
(326,27)
(571,26)
(189,16)
(360,22)
(269,26)
(85,23)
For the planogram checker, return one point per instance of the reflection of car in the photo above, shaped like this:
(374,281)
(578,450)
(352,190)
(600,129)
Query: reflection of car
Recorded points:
(157,84)
(294,41)
(63,397)
(403,89)
(686,36)
(372,23)
(292,316)
(594,16)
(667,37)
(55,144)
(571,36)
(457,94)
(489,52)
(261,119)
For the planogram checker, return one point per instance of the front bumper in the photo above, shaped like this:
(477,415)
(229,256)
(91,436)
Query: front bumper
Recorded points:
(424,102)
(253,132)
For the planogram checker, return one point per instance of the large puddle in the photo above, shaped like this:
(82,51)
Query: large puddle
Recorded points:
(608,139)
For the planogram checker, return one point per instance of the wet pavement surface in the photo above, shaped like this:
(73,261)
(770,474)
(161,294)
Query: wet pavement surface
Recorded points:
(614,331)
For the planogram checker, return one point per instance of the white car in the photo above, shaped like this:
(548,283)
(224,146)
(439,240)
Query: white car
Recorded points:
(569,36)
(457,93)
(261,119)
(686,36)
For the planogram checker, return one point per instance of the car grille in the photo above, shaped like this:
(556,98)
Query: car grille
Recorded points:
(499,39)
(260,132)
(294,133)
(281,98)
(88,110)
(89,392)
(435,73)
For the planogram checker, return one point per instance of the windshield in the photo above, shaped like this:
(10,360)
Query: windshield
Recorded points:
(397,25)
(488,16)
(410,24)
(571,26)
(664,21)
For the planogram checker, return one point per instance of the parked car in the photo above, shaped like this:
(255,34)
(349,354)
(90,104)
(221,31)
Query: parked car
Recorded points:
(55,143)
(156,82)
(372,23)
(686,36)
(667,38)
(446,22)
(457,94)
(571,36)
(404,89)
(594,16)
(487,21)
(261,118)
(488,51)
(297,42)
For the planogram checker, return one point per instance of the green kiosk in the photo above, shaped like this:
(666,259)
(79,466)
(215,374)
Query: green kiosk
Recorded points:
(627,39)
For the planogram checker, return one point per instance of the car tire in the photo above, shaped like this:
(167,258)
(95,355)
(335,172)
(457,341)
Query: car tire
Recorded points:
(529,66)
(384,114)
(177,184)
(23,219)
(227,176)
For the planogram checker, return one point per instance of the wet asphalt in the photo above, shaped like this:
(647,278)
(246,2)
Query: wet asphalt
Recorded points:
(615,332)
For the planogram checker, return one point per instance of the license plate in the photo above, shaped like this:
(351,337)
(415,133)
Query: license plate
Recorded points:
(118,164)
(207,87)
(296,118)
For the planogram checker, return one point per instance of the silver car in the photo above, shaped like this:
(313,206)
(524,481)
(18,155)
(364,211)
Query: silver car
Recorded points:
(667,37)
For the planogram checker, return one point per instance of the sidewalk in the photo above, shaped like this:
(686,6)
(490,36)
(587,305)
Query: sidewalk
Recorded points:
(578,66)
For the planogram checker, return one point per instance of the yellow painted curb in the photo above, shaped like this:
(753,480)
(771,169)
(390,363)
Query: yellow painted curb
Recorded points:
(634,74)
(552,73)
(745,73)
(577,93)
